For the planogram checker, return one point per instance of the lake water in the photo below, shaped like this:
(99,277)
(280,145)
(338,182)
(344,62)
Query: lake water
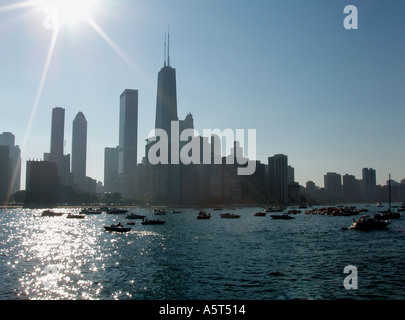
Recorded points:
(250,258)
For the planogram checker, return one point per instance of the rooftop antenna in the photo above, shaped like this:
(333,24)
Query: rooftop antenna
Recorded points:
(168,46)
(165,51)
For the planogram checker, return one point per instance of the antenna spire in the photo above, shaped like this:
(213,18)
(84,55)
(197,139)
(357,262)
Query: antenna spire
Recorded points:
(165,52)
(168,45)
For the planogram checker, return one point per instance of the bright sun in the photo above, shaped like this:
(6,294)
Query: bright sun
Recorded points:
(67,11)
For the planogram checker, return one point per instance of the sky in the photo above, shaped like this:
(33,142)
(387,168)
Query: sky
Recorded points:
(331,99)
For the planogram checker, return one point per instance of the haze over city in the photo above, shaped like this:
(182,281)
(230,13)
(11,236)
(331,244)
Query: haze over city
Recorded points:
(329,98)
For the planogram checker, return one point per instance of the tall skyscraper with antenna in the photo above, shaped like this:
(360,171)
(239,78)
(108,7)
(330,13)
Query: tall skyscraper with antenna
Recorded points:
(166,102)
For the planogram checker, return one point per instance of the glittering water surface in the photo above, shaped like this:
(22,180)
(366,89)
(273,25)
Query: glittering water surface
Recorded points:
(251,258)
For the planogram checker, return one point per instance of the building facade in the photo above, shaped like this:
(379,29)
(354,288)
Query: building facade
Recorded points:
(79,150)
(128,141)
(278,178)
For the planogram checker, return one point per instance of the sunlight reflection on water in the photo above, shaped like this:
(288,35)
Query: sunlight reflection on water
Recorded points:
(247,258)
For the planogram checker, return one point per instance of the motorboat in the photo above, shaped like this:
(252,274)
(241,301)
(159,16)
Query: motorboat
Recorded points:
(91,211)
(176,211)
(388,215)
(260,214)
(159,211)
(282,216)
(134,216)
(229,216)
(147,221)
(203,215)
(117,211)
(75,216)
(274,209)
(117,228)
(365,223)
(294,211)
(49,213)
(379,204)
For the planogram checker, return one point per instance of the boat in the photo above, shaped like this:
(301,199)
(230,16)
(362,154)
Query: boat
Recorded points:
(260,214)
(379,205)
(203,215)
(388,215)
(282,216)
(147,221)
(91,211)
(49,213)
(116,211)
(229,216)
(117,228)
(294,211)
(134,216)
(176,211)
(159,211)
(131,223)
(218,209)
(365,223)
(274,209)
(75,216)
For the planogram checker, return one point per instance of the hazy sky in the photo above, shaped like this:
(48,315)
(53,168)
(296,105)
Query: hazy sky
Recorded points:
(331,99)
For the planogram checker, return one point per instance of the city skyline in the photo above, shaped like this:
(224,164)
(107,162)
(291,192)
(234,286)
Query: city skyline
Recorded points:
(319,105)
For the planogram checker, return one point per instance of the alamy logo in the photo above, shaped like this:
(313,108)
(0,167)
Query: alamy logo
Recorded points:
(351,281)
(191,152)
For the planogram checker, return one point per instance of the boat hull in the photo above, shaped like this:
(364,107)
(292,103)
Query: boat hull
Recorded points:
(117,229)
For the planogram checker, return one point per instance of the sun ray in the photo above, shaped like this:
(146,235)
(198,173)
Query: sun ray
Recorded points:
(36,103)
(18,5)
(120,52)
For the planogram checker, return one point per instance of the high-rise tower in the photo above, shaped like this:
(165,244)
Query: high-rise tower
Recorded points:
(128,140)
(57,144)
(8,139)
(166,102)
(57,131)
(278,177)
(79,150)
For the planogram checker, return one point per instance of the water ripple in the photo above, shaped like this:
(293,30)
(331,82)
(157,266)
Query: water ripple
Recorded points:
(246,258)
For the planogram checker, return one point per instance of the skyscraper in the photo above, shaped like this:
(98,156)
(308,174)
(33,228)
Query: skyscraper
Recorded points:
(57,144)
(333,186)
(57,132)
(8,139)
(110,169)
(166,101)
(128,140)
(5,166)
(369,184)
(278,178)
(79,150)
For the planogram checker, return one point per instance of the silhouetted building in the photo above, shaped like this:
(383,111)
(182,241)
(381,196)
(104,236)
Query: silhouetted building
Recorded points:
(57,145)
(128,141)
(166,101)
(111,169)
(42,183)
(369,185)
(79,150)
(278,178)
(333,186)
(8,139)
(5,169)
(350,188)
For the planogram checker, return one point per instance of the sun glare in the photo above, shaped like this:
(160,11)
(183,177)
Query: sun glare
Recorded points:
(67,11)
